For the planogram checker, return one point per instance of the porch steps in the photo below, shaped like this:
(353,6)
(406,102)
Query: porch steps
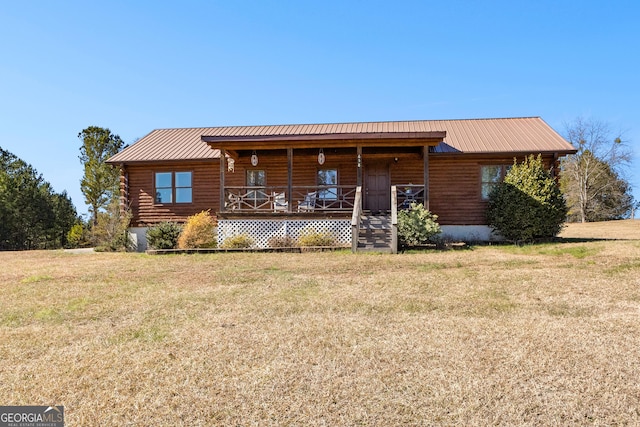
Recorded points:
(375,234)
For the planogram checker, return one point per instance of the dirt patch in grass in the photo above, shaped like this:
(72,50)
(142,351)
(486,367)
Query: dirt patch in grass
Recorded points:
(537,336)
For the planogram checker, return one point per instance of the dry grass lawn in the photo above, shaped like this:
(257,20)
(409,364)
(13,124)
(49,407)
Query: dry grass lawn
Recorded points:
(494,335)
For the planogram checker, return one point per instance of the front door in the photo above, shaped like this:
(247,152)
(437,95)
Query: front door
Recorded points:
(377,187)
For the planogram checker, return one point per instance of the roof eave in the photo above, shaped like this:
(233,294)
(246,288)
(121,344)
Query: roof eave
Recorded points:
(560,153)
(325,140)
(145,161)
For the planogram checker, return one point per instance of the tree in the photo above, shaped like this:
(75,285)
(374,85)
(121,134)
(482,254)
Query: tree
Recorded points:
(100,181)
(32,215)
(528,205)
(66,217)
(634,208)
(109,234)
(592,178)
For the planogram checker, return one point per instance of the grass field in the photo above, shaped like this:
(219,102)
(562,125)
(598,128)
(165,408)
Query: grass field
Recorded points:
(492,335)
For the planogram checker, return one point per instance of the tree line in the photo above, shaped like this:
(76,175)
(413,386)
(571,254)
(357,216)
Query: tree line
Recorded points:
(32,215)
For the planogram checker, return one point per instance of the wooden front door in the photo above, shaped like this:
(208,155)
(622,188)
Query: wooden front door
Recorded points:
(377,187)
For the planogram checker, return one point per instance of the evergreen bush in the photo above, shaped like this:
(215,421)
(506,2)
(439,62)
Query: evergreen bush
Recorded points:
(164,235)
(417,226)
(528,205)
(198,232)
(78,236)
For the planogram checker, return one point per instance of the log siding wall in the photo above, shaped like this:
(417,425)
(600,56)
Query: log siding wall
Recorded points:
(141,201)
(454,182)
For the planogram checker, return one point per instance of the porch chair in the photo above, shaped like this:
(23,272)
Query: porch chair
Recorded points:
(280,203)
(233,203)
(309,203)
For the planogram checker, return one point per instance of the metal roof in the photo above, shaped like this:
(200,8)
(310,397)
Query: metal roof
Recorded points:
(480,136)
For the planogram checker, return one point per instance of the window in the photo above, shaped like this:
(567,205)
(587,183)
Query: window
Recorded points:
(492,175)
(164,184)
(256,178)
(172,186)
(183,187)
(328,177)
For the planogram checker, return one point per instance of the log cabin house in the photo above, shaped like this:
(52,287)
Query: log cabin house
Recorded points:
(349,179)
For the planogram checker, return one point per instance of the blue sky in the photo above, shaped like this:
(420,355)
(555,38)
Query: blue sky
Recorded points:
(134,66)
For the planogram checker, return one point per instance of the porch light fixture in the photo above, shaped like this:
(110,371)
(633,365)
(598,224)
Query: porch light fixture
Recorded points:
(321,157)
(254,159)
(231,165)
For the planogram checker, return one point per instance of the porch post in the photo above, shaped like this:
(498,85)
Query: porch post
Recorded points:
(359,159)
(290,178)
(425,157)
(222,170)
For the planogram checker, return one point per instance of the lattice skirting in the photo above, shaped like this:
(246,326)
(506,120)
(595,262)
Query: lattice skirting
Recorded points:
(263,230)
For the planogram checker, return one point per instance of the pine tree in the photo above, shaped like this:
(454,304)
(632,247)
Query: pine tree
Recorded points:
(100,181)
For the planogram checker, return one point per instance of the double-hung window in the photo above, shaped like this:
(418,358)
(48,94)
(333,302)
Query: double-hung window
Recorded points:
(492,175)
(174,187)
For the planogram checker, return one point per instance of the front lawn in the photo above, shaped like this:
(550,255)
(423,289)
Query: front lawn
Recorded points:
(538,335)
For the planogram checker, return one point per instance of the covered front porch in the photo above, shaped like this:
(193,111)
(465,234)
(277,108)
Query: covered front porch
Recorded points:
(289,182)
(304,174)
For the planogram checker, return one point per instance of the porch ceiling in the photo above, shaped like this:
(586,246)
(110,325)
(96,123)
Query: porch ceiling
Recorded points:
(382,139)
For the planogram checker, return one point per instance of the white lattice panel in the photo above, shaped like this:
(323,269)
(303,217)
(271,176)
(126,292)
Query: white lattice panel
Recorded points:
(263,230)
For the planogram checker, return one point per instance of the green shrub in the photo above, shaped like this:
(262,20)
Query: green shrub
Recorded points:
(164,235)
(282,242)
(528,205)
(239,241)
(78,236)
(417,226)
(198,232)
(311,237)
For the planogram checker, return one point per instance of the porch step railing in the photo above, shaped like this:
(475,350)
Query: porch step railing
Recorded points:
(378,233)
(355,219)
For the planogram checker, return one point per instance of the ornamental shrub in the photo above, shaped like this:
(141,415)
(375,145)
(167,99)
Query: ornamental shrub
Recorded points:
(198,232)
(164,235)
(528,205)
(239,241)
(78,236)
(282,242)
(417,226)
(110,233)
(309,236)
